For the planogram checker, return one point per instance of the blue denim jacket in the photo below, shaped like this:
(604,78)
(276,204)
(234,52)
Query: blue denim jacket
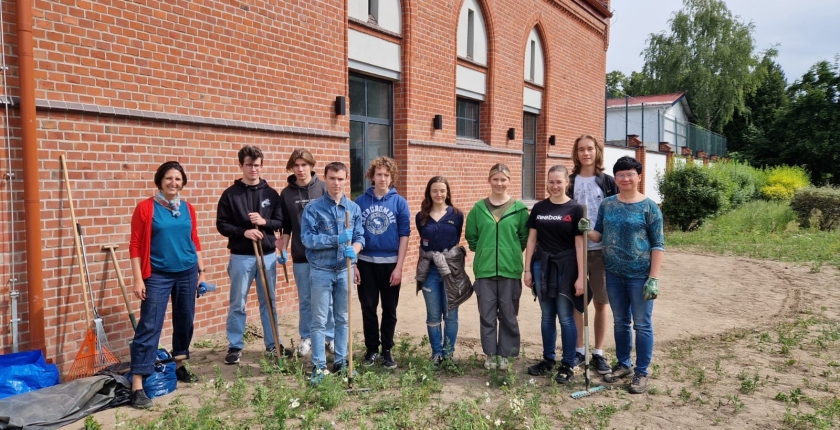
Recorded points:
(320,224)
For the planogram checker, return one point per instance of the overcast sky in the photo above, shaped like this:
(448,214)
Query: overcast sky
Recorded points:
(807,31)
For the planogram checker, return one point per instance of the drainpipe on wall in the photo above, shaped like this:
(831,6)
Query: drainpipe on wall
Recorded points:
(31,189)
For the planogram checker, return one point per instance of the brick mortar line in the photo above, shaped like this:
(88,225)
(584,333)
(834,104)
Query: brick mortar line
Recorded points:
(139,114)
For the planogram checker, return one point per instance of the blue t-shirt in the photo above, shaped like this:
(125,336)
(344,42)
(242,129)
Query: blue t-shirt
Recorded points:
(172,247)
(630,231)
(442,234)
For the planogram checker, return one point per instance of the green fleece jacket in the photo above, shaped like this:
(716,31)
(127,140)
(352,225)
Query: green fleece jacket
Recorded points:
(498,246)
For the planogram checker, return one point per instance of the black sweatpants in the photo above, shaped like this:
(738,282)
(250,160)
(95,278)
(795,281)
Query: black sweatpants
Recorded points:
(375,284)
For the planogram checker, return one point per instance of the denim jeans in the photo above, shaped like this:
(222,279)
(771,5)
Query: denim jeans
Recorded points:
(301,271)
(561,309)
(160,286)
(628,304)
(329,293)
(242,270)
(434,292)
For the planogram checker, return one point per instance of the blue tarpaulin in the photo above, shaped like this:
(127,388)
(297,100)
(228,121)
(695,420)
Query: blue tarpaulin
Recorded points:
(22,372)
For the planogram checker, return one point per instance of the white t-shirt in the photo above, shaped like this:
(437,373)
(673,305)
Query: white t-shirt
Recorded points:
(588,193)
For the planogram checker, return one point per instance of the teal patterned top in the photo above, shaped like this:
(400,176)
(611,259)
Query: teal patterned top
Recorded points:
(629,232)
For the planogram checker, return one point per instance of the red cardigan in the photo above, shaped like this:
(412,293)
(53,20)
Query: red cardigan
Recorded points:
(141,234)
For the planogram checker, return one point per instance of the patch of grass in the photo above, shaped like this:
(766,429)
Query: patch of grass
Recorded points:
(762,229)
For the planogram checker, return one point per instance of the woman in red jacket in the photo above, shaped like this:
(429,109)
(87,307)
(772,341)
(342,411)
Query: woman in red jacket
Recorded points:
(165,262)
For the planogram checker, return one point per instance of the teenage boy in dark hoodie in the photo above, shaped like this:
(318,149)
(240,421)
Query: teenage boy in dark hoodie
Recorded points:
(249,210)
(387,224)
(303,186)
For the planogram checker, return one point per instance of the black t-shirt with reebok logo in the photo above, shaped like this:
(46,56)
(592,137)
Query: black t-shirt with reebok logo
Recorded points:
(556,225)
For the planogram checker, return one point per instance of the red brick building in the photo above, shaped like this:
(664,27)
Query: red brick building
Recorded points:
(119,87)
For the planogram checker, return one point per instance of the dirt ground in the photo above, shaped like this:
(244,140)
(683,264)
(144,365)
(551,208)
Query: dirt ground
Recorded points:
(719,358)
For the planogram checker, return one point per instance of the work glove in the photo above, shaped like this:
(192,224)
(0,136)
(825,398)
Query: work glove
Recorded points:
(349,252)
(284,256)
(584,225)
(651,289)
(345,236)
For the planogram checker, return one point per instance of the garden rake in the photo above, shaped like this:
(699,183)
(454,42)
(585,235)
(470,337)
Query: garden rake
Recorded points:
(587,378)
(93,355)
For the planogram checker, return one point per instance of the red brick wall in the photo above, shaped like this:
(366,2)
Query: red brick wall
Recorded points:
(274,64)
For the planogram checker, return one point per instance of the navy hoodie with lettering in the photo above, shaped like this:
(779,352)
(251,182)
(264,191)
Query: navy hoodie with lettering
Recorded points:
(385,220)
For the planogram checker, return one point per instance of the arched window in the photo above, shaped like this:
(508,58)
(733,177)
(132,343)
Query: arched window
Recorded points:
(534,60)
(383,13)
(471,75)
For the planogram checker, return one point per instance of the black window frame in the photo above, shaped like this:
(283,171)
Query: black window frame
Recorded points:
(464,124)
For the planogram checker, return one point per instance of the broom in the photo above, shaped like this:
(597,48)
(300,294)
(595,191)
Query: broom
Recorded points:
(588,391)
(91,357)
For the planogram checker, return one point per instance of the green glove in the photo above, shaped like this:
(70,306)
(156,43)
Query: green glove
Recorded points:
(651,289)
(584,225)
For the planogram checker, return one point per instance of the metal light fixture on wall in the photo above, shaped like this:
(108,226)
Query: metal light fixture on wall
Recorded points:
(552,140)
(437,123)
(340,105)
(511,134)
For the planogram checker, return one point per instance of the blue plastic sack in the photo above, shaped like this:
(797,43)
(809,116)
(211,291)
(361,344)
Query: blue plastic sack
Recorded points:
(26,371)
(162,381)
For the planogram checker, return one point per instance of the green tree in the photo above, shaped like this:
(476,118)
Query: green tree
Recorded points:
(616,80)
(709,55)
(747,131)
(809,128)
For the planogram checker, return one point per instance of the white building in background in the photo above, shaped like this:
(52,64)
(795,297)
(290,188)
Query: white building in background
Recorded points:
(657,118)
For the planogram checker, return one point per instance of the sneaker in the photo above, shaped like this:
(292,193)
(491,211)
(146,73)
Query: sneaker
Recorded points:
(387,360)
(618,372)
(600,364)
(437,360)
(503,363)
(305,347)
(233,356)
(565,374)
(331,346)
(579,359)
(184,375)
(284,352)
(542,368)
(370,358)
(639,384)
(490,363)
(317,376)
(339,367)
(139,400)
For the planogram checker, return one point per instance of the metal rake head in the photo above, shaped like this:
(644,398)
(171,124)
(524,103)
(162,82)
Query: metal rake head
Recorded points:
(579,394)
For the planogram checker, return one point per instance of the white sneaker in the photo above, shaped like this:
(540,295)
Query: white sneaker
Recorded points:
(503,363)
(490,362)
(331,346)
(304,347)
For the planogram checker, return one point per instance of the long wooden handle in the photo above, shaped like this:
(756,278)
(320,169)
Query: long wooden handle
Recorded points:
(76,240)
(121,281)
(258,254)
(349,298)
(586,275)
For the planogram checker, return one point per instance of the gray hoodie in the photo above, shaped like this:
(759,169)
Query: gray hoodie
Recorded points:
(293,199)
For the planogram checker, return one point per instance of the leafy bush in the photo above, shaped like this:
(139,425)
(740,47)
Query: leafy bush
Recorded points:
(820,206)
(690,195)
(741,182)
(783,181)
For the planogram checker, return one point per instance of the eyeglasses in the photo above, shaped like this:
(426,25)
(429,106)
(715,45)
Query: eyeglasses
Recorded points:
(253,166)
(630,175)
